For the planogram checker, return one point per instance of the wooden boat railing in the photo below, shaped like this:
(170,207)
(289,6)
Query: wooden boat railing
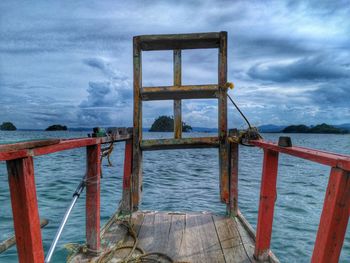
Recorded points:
(331,231)
(20,166)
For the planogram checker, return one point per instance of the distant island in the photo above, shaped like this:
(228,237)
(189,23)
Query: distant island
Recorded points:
(321,128)
(56,127)
(7,126)
(166,124)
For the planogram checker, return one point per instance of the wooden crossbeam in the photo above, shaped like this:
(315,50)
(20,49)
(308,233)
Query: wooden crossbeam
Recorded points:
(179,41)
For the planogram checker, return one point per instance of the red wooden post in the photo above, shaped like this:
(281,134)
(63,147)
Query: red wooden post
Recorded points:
(126,205)
(334,218)
(266,205)
(233,206)
(25,210)
(93,198)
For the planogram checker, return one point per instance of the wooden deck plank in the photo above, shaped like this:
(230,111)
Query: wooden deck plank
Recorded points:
(146,234)
(200,241)
(230,240)
(246,240)
(185,237)
(176,234)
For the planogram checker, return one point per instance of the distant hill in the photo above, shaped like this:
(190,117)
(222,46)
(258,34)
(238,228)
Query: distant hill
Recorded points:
(7,126)
(345,126)
(321,128)
(56,127)
(166,124)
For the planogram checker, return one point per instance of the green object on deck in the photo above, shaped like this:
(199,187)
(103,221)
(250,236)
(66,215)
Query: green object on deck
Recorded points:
(99,132)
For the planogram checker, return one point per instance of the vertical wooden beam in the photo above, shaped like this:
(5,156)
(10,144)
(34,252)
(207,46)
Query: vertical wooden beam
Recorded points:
(25,210)
(268,195)
(177,103)
(222,117)
(93,174)
(126,205)
(334,218)
(137,134)
(233,205)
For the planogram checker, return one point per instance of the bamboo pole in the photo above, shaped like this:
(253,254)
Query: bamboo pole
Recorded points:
(6,244)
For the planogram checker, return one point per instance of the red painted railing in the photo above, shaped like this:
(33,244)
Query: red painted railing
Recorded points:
(336,208)
(19,159)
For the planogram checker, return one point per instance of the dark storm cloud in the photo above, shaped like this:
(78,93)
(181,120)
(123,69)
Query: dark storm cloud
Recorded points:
(72,60)
(315,68)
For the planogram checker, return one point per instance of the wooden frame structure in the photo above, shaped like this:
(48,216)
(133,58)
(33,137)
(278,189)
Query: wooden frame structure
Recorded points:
(177,92)
(19,158)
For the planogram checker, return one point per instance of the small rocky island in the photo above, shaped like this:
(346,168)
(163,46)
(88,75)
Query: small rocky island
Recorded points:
(7,126)
(56,127)
(166,124)
(321,128)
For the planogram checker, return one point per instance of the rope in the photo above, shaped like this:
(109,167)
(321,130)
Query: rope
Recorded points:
(106,152)
(251,133)
(142,257)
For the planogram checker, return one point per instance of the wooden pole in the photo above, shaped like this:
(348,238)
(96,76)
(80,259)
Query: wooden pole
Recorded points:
(137,134)
(266,205)
(93,198)
(25,210)
(177,103)
(6,244)
(126,205)
(334,218)
(233,205)
(222,117)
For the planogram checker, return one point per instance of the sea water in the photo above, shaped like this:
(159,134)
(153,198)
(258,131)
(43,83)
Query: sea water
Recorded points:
(180,180)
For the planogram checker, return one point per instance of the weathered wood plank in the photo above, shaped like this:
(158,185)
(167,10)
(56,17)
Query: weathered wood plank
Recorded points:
(230,240)
(126,203)
(177,103)
(222,120)
(185,237)
(178,92)
(62,145)
(200,241)
(334,218)
(27,145)
(318,156)
(184,143)
(266,204)
(179,41)
(6,244)
(146,234)
(175,242)
(137,132)
(93,173)
(233,205)
(25,210)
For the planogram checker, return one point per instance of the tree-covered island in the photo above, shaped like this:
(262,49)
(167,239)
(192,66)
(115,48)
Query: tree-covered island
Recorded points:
(166,124)
(56,127)
(7,126)
(321,128)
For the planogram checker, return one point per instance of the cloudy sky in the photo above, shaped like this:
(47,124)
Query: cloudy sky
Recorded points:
(70,62)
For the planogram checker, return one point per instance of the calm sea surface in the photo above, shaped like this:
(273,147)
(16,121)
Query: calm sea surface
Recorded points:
(181,180)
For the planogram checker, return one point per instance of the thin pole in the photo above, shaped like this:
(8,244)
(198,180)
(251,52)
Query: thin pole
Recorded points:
(64,220)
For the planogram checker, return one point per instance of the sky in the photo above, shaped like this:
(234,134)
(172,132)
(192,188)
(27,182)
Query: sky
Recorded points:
(70,62)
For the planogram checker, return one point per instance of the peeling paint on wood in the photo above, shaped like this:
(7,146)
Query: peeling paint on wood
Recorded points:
(334,218)
(177,103)
(268,196)
(93,174)
(25,210)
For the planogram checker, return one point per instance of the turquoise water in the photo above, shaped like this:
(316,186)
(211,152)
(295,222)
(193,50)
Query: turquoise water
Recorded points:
(182,180)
